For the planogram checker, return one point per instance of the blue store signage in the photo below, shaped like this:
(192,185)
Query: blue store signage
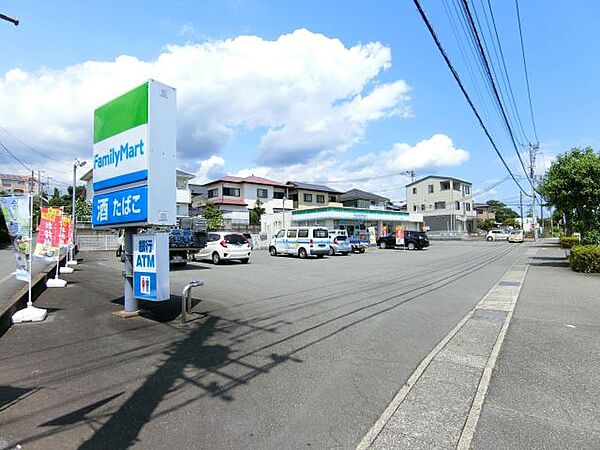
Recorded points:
(121,207)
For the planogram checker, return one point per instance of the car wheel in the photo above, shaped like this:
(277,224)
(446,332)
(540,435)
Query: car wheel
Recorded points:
(273,251)
(216,259)
(302,253)
(411,245)
(382,245)
(331,251)
(245,260)
(489,239)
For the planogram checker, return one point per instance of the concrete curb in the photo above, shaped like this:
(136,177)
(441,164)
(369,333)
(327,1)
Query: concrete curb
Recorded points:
(19,299)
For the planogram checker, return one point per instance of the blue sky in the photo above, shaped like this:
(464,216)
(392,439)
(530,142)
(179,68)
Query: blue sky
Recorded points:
(232,130)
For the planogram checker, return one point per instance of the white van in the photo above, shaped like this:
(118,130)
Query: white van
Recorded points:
(301,241)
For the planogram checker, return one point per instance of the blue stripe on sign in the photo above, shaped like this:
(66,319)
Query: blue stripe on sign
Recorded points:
(121,179)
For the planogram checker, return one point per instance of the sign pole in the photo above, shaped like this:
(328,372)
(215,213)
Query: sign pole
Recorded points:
(131,303)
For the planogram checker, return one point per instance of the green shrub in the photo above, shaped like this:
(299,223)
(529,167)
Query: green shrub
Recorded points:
(568,241)
(591,237)
(585,258)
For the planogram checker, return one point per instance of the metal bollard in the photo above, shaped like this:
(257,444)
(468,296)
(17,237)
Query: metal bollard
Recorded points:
(186,298)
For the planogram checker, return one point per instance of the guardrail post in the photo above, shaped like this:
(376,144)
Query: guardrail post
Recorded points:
(186,298)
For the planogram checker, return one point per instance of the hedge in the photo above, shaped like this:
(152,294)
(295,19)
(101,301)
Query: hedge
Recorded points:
(568,241)
(585,258)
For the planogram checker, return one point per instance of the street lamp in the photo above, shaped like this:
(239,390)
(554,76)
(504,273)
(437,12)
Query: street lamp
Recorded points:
(76,164)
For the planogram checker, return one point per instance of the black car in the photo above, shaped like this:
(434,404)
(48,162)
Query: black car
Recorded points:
(413,240)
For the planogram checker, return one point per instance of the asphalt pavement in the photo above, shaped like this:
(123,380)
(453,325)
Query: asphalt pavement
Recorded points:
(280,353)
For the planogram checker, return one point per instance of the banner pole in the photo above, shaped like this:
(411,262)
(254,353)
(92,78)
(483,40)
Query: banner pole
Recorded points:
(30,300)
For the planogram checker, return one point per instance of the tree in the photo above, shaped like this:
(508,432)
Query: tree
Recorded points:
(256,213)
(213,216)
(485,225)
(83,208)
(503,213)
(572,186)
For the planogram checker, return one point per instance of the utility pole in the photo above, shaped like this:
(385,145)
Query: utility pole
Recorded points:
(522,218)
(533,148)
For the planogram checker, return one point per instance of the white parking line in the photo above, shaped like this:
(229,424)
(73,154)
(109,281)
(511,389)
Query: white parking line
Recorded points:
(7,277)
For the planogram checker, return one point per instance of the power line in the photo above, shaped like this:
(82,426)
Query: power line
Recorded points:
(474,31)
(463,90)
(505,70)
(526,72)
(16,159)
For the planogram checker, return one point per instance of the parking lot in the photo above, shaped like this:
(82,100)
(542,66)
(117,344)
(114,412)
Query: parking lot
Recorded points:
(279,353)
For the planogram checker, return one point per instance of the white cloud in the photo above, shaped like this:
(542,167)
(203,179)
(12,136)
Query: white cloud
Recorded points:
(209,169)
(382,173)
(309,92)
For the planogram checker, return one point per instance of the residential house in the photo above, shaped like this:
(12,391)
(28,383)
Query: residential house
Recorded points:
(446,203)
(306,195)
(483,211)
(236,196)
(16,184)
(355,198)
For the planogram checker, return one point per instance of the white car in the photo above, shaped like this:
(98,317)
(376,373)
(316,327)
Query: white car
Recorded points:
(497,234)
(224,246)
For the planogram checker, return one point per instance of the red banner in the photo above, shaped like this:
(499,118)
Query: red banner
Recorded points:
(48,238)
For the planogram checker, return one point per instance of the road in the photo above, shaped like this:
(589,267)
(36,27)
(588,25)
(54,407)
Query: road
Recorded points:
(282,353)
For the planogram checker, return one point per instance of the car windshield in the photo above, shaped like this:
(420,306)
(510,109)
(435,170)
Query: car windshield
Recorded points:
(236,239)
(320,233)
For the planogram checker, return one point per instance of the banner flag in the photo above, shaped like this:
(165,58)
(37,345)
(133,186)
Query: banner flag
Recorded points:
(66,235)
(18,221)
(48,239)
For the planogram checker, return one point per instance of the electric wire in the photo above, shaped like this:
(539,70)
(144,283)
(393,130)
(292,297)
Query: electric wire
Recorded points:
(476,36)
(464,91)
(525,69)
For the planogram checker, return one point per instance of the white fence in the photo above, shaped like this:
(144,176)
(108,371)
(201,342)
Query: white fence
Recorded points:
(95,241)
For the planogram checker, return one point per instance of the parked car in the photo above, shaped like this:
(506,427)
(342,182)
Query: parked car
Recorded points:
(224,246)
(516,236)
(497,234)
(339,244)
(357,245)
(301,241)
(413,240)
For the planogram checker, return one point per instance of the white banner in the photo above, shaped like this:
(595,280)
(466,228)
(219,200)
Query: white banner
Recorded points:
(18,221)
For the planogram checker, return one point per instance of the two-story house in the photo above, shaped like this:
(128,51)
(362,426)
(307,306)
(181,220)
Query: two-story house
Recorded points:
(355,198)
(306,195)
(446,203)
(16,184)
(236,196)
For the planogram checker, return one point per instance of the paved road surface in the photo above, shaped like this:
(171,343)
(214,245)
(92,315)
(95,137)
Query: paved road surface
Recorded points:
(285,353)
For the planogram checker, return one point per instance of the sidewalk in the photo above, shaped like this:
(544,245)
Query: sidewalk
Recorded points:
(545,391)
(519,371)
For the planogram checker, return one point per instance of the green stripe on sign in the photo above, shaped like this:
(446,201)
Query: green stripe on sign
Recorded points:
(124,112)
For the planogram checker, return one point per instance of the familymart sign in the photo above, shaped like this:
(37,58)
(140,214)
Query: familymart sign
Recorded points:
(120,140)
(134,158)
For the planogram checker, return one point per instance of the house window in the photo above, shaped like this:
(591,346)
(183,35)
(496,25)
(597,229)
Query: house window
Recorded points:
(457,206)
(278,195)
(422,207)
(308,198)
(415,208)
(320,199)
(333,198)
(467,190)
(414,190)
(440,205)
(444,185)
(231,192)
(456,186)
(467,207)
(212,193)
(430,189)
(262,193)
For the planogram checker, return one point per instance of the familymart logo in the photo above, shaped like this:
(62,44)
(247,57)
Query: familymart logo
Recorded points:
(114,157)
